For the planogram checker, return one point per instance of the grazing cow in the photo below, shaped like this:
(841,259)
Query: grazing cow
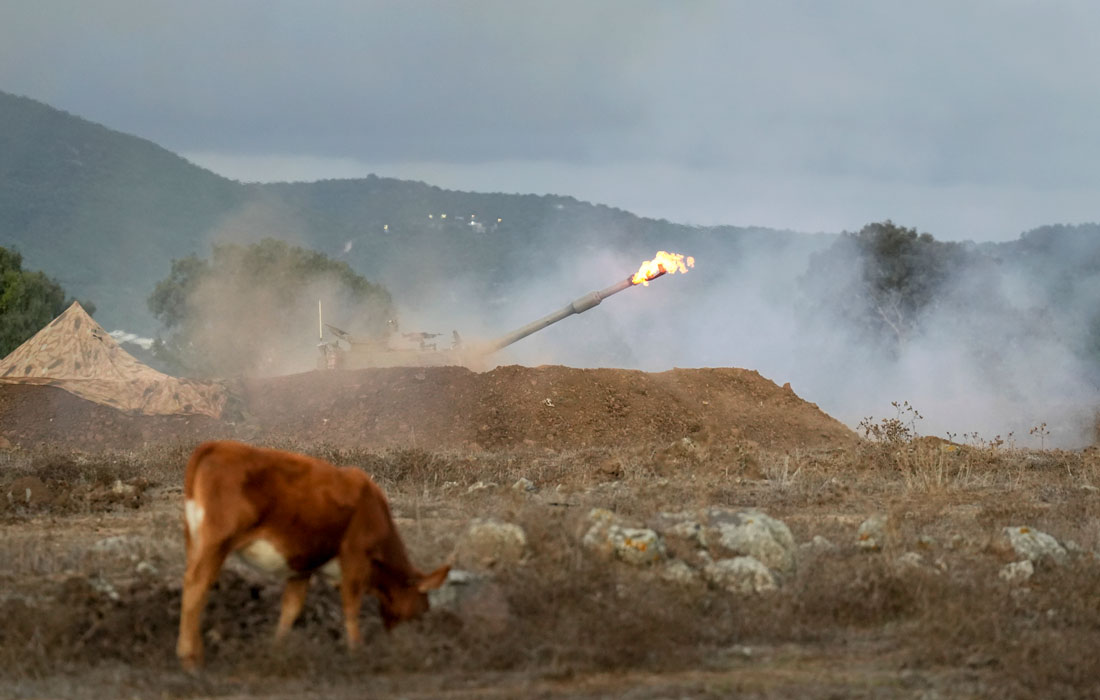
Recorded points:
(296,516)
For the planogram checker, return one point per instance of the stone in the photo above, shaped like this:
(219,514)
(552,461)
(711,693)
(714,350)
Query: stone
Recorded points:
(122,489)
(481,486)
(488,544)
(1017,571)
(871,536)
(523,484)
(909,560)
(750,533)
(741,575)
(1034,545)
(608,536)
(819,545)
(677,571)
(636,545)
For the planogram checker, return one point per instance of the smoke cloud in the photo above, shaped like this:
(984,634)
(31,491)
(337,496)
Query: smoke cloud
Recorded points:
(999,354)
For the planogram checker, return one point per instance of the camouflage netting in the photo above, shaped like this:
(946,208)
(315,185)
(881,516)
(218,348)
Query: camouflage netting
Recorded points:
(74,353)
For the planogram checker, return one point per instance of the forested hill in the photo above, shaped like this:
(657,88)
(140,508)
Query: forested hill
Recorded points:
(105,213)
(101,211)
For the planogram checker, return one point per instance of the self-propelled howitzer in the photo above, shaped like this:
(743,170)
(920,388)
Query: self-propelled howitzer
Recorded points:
(362,353)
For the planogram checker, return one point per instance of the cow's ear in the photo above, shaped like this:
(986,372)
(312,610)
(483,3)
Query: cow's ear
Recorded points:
(433,580)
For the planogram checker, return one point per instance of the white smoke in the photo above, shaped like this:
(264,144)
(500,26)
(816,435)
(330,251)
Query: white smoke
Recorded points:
(123,337)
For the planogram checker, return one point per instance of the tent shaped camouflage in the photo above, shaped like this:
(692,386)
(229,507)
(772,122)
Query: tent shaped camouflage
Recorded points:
(74,353)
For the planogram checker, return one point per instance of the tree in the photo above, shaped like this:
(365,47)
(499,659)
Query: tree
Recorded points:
(253,309)
(883,278)
(28,301)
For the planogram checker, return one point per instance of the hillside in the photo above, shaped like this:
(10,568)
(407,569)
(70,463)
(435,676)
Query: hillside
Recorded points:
(100,211)
(105,213)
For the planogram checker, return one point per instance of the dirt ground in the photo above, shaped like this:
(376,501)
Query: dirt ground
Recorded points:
(451,408)
(92,554)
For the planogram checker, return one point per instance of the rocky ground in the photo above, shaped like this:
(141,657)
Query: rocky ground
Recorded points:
(694,533)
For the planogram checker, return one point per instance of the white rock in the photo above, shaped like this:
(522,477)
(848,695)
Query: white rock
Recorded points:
(821,544)
(1034,545)
(677,571)
(524,484)
(871,535)
(636,545)
(751,533)
(909,560)
(123,489)
(741,575)
(490,543)
(1017,571)
(608,536)
(481,486)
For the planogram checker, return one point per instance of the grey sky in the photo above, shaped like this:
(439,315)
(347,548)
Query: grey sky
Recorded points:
(965,119)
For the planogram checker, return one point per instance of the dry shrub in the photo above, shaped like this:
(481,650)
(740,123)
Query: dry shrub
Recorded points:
(1040,639)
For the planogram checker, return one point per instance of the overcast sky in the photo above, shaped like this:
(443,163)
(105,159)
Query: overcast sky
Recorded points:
(967,119)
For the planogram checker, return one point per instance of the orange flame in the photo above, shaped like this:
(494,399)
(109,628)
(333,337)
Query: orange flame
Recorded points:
(661,263)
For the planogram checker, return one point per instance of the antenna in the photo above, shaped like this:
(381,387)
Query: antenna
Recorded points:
(320,323)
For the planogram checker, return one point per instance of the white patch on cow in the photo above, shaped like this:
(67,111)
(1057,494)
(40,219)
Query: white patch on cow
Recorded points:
(331,570)
(263,555)
(193,514)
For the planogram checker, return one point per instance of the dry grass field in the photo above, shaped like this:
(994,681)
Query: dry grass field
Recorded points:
(91,560)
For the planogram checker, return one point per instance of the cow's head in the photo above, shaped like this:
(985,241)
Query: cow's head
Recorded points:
(401,598)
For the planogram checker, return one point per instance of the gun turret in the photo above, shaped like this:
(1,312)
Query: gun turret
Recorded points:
(578,306)
(368,352)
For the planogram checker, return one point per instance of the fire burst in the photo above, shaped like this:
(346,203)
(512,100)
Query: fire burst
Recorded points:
(660,264)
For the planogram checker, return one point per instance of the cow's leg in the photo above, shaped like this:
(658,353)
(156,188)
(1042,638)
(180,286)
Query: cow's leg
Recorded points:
(294,597)
(351,593)
(203,564)
(354,571)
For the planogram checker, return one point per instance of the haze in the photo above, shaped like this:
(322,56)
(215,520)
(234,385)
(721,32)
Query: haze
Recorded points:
(968,120)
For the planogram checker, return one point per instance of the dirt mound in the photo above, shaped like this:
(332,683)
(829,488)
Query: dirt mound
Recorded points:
(32,415)
(454,408)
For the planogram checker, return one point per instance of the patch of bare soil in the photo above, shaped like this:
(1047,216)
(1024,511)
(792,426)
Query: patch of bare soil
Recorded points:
(32,415)
(451,407)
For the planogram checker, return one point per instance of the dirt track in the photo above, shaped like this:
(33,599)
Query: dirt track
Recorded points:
(453,408)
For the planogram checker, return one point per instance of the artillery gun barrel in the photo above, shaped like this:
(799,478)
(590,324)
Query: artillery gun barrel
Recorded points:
(579,305)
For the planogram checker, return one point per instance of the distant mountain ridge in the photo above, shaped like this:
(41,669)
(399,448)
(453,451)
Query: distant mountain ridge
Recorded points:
(104,213)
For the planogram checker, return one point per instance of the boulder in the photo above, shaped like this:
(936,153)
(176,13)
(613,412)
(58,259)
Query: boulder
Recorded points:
(1017,571)
(677,571)
(750,533)
(488,544)
(608,536)
(741,575)
(871,536)
(1034,545)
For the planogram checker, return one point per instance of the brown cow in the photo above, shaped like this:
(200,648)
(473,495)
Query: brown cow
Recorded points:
(294,515)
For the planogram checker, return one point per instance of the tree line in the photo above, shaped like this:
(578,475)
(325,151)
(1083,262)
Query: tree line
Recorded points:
(28,301)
